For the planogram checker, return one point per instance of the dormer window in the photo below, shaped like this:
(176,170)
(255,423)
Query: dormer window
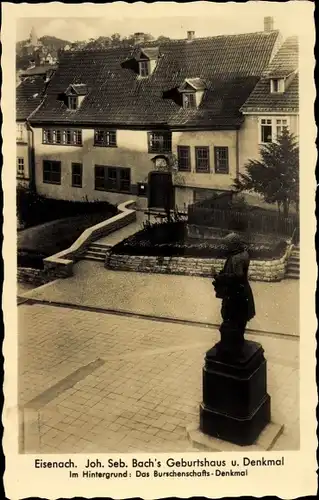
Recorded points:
(147,59)
(277,85)
(192,90)
(72,102)
(189,100)
(144,67)
(75,94)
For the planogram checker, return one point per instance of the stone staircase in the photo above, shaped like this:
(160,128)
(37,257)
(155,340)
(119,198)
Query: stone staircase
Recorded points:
(96,252)
(293,270)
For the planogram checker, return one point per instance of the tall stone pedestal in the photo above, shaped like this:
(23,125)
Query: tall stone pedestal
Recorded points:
(236,406)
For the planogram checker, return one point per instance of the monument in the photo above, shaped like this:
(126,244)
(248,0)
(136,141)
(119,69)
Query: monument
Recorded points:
(236,406)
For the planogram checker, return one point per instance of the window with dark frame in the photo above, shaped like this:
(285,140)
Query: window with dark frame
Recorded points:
(20,167)
(77,174)
(183,154)
(189,100)
(159,142)
(72,102)
(51,172)
(100,178)
(275,85)
(112,179)
(69,137)
(202,159)
(125,179)
(105,138)
(144,68)
(109,178)
(221,160)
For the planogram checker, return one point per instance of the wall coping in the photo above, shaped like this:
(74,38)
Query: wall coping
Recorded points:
(65,257)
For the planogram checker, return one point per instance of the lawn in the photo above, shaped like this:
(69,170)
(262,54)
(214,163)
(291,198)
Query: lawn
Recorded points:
(38,242)
(170,239)
(34,209)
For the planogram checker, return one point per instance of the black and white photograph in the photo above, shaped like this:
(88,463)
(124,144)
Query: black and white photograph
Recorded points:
(159,227)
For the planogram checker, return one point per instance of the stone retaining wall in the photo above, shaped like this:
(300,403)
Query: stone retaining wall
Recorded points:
(259,270)
(37,277)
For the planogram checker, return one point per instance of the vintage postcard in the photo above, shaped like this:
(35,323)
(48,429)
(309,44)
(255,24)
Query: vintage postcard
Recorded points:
(159,294)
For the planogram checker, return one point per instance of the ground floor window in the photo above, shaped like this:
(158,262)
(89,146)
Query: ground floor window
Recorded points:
(20,168)
(77,175)
(281,125)
(109,178)
(51,172)
(271,128)
(221,160)
(266,130)
(202,159)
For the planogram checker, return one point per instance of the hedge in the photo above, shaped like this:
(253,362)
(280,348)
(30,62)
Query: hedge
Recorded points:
(169,240)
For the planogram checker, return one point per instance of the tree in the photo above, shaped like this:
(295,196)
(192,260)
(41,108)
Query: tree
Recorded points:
(276,175)
(163,38)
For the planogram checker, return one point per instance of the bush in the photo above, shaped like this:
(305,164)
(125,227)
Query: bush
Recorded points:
(34,209)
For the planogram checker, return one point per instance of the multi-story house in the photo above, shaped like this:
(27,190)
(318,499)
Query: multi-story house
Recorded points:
(29,96)
(273,104)
(111,119)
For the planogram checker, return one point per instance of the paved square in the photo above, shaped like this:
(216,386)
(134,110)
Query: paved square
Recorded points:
(144,390)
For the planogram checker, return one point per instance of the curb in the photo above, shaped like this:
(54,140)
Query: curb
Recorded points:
(249,331)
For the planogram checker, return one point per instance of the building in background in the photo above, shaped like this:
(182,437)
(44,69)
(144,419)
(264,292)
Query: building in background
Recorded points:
(274,102)
(192,109)
(29,95)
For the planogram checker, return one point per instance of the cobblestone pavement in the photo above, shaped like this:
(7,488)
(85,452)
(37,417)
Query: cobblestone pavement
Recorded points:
(140,384)
(181,297)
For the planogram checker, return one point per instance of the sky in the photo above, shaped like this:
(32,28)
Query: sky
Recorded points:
(169,19)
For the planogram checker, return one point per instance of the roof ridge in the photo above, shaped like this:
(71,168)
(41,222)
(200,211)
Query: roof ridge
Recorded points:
(155,43)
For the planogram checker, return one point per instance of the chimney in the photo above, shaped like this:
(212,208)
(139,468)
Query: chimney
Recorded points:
(190,35)
(268,23)
(139,38)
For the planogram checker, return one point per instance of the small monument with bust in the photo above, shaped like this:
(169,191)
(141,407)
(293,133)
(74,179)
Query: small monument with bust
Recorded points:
(236,406)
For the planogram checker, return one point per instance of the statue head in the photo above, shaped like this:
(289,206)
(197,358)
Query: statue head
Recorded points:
(234,243)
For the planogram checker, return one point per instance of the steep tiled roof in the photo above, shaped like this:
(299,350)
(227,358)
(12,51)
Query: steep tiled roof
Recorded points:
(283,65)
(29,95)
(39,70)
(230,66)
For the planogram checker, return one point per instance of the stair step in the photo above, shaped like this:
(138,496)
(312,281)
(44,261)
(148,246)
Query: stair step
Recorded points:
(97,250)
(98,255)
(93,257)
(294,262)
(293,271)
(100,245)
(293,265)
(292,277)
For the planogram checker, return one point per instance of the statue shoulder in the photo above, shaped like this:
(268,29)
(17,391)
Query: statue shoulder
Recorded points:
(241,257)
